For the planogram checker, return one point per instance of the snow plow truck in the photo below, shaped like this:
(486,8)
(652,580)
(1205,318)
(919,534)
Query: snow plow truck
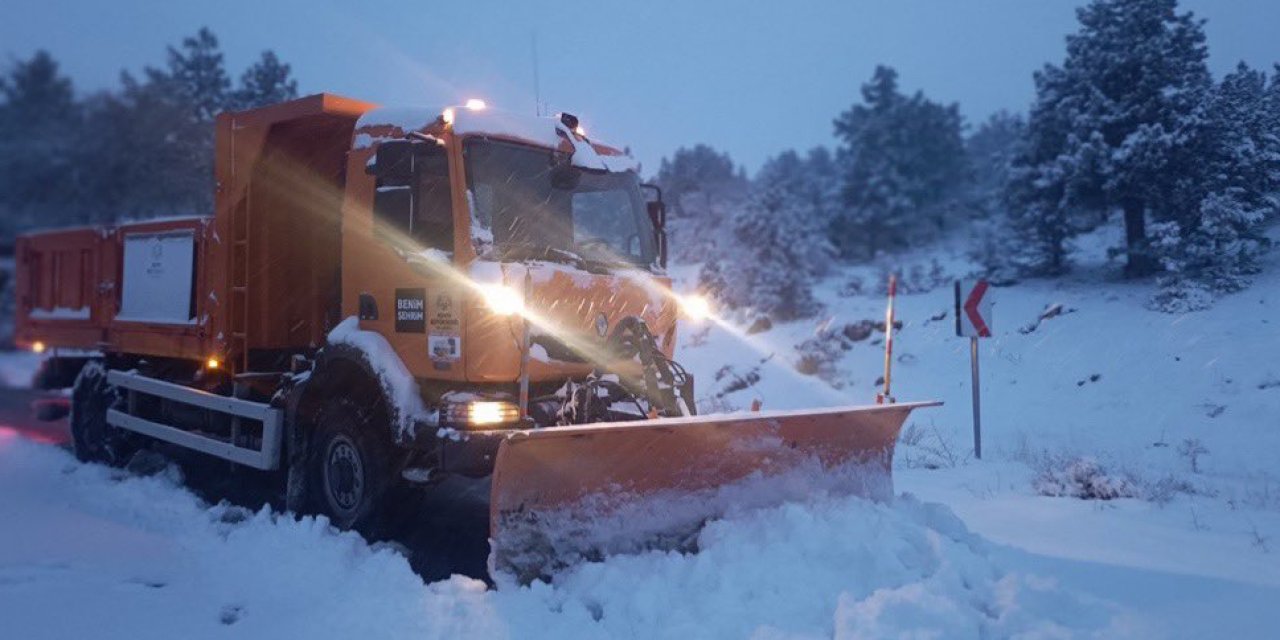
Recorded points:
(386,296)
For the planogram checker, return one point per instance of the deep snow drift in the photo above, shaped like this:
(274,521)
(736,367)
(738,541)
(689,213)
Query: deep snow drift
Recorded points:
(90,552)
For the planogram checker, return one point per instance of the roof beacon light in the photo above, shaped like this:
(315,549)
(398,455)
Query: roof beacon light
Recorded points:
(447,115)
(476,104)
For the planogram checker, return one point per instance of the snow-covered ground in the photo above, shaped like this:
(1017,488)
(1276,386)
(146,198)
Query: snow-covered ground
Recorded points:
(1123,397)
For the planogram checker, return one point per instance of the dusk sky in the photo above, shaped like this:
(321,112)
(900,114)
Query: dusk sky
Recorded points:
(749,78)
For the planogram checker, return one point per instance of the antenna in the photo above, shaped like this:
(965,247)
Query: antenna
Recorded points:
(537,85)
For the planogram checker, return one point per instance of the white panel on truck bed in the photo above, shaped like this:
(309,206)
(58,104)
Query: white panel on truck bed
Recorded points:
(158,276)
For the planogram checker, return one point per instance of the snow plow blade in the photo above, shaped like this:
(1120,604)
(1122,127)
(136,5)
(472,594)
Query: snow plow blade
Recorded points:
(564,495)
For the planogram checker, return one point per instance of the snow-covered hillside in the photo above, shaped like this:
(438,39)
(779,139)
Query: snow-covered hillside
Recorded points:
(1177,415)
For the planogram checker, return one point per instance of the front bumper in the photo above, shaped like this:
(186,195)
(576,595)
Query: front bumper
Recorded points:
(470,453)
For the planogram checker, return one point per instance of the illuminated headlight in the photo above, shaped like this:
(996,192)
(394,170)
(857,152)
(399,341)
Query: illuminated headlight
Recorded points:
(695,307)
(482,413)
(501,299)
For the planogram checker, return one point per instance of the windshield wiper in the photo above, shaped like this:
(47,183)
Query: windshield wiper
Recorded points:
(527,251)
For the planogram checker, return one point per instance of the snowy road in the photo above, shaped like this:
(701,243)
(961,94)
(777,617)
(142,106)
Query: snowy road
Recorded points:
(16,415)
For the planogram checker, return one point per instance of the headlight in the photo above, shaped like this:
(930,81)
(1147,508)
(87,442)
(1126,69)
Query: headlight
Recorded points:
(695,307)
(481,413)
(501,299)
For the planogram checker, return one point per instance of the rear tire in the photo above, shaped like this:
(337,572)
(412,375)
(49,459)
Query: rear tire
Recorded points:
(93,439)
(347,465)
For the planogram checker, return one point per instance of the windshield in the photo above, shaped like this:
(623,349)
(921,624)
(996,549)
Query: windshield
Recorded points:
(518,213)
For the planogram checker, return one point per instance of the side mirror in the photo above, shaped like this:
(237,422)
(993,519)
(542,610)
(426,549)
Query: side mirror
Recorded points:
(658,216)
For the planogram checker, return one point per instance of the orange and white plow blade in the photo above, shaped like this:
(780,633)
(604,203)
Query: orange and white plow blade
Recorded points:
(562,495)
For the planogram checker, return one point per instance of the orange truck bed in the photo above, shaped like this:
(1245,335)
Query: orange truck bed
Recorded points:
(260,274)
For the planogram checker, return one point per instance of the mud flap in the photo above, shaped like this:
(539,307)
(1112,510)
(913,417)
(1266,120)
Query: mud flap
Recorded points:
(565,495)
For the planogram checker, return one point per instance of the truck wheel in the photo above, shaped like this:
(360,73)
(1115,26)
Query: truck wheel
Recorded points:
(93,439)
(347,463)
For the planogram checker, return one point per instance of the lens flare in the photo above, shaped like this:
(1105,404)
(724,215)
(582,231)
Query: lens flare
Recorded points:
(501,299)
(695,307)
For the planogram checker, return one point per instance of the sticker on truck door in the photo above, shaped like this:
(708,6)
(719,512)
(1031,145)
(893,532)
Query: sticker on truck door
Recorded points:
(444,347)
(411,310)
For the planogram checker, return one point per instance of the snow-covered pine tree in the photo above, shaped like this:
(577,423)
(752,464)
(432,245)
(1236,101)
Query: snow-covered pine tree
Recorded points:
(1110,124)
(1215,246)
(268,81)
(778,240)
(822,188)
(901,159)
(1273,138)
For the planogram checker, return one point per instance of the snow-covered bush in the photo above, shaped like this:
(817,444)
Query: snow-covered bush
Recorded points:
(928,448)
(819,355)
(1082,477)
(916,278)
(1216,255)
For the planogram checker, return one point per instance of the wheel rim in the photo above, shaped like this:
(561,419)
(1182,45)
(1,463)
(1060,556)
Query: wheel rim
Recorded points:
(343,475)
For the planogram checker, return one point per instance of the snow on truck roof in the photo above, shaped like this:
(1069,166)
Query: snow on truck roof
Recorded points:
(543,131)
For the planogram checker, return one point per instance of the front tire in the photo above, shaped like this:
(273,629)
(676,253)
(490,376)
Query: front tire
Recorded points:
(92,438)
(347,465)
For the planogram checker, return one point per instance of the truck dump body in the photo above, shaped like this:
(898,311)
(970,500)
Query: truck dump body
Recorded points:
(261,274)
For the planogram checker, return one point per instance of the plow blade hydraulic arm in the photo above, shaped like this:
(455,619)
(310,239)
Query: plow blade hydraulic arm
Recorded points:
(562,495)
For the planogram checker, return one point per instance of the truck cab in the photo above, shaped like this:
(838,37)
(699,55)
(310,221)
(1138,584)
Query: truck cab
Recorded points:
(456,218)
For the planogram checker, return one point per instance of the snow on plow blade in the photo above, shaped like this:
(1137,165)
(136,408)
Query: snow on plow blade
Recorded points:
(563,495)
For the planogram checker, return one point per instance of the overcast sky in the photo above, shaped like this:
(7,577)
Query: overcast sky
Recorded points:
(752,78)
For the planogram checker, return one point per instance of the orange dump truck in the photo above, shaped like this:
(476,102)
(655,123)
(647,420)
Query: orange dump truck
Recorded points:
(400,295)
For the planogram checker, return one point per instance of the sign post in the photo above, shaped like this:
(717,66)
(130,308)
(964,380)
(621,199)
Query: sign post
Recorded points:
(973,319)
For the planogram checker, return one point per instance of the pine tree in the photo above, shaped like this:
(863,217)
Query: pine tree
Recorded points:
(267,82)
(39,128)
(1112,121)
(902,158)
(196,71)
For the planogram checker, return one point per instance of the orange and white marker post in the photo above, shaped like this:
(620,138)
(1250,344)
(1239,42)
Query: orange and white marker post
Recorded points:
(885,397)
